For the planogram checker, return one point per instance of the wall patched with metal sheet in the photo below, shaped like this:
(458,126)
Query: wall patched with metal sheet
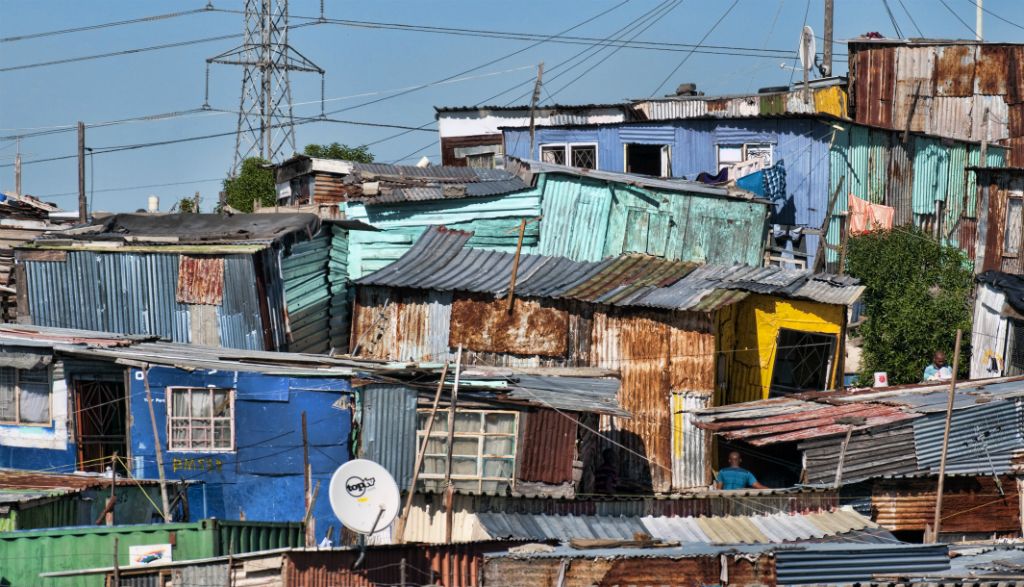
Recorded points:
(482,323)
(970,505)
(401,325)
(304,274)
(691,455)
(388,429)
(1002,194)
(548,447)
(646,569)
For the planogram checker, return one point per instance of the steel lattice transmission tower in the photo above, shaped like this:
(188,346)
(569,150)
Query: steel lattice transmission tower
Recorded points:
(265,122)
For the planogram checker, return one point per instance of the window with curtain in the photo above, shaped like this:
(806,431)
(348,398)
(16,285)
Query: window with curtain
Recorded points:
(483,450)
(200,419)
(25,395)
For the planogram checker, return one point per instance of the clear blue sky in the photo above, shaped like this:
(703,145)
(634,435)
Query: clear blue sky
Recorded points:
(363,61)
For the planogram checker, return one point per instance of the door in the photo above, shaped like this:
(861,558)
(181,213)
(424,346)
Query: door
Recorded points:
(101,423)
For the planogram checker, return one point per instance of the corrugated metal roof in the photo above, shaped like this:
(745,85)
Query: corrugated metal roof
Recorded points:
(831,564)
(575,394)
(440,260)
(770,529)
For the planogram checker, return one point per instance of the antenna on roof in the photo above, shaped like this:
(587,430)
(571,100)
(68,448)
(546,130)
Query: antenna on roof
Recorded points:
(807,52)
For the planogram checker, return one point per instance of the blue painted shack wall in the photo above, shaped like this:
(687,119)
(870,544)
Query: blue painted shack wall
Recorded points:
(263,475)
(802,144)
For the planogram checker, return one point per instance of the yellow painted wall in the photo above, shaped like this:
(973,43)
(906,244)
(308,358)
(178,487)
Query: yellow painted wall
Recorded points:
(832,100)
(747,335)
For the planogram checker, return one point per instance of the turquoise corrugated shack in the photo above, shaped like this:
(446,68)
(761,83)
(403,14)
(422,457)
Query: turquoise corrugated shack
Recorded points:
(569,212)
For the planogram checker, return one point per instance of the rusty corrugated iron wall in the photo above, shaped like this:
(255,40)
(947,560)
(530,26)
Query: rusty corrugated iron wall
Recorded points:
(548,448)
(996,190)
(483,323)
(401,325)
(200,280)
(456,565)
(943,88)
(971,505)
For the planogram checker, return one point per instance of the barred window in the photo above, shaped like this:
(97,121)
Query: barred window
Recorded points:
(483,450)
(25,395)
(200,419)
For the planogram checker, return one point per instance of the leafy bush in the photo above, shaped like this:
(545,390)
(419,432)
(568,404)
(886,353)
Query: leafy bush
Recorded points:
(360,154)
(255,182)
(917,295)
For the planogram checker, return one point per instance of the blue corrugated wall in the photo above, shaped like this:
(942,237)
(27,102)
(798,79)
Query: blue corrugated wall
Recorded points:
(263,476)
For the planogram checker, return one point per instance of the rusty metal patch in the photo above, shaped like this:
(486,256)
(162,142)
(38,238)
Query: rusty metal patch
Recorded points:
(549,447)
(533,328)
(954,71)
(874,73)
(200,280)
(992,68)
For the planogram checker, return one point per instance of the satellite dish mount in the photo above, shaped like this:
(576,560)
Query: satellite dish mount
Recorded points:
(808,52)
(365,498)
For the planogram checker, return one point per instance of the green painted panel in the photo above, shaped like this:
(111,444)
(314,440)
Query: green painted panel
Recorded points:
(307,294)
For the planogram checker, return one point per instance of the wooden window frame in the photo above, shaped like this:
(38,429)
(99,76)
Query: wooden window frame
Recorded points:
(479,479)
(171,418)
(1020,238)
(17,400)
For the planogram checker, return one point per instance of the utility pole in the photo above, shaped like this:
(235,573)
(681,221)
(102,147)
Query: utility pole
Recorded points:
(978,16)
(937,522)
(533,106)
(17,170)
(265,124)
(826,58)
(83,214)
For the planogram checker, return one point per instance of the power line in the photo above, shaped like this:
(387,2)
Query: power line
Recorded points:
(690,54)
(135,187)
(911,17)
(957,16)
(996,16)
(154,18)
(892,19)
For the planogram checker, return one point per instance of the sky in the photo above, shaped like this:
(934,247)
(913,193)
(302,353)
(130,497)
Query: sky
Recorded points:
(367,64)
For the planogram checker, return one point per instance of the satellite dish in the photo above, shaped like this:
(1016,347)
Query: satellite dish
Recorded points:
(364,496)
(808,48)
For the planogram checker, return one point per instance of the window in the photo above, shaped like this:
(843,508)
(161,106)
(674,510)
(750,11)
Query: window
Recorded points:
(480,161)
(1012,235)
(729,155)
(483,451)
(554,154)
(583,155)
(25,396)
(652,160)
(803,362)
(201,419)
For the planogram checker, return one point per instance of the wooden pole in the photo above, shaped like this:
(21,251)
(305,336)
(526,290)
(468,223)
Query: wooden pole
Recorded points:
(83,214)
(937,523)
(159,450)
(842,458)
(449,489)
(845,240)
(401,572)
(117,565)
(819,256)
(533,106)
(515,267)
(984,138)
(826,58)
(400,527)
(306,482)
(17,169)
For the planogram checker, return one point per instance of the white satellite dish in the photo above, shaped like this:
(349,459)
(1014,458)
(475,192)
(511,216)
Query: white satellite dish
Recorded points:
(808,48)
(364,496)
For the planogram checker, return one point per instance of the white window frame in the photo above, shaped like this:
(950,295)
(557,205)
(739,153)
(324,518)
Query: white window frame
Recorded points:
(744,154)
(479,479)
(17,400)
(567,152)
(666,157)
(172,447)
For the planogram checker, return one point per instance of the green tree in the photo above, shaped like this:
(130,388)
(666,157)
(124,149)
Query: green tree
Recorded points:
(255,182)
(917,295)
(335,150)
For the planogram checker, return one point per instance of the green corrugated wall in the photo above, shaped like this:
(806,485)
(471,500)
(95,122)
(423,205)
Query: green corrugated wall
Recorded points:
(304,272)
(24,555)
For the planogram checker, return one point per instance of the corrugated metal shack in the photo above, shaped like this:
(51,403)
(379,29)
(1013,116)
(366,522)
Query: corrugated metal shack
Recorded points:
(824,159)
(247,281)
(656,322)
(997,334)
(585,215)
(803,564)
(26,554)
(455,565)
(894,446)
(950,88)
(22,218)
(30,500)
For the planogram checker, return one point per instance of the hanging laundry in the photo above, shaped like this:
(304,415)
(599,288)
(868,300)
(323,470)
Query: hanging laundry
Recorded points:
(752,183)
(866,217)
(775,182)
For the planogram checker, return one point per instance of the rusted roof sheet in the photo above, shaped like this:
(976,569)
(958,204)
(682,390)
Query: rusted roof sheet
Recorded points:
(441,261)
(17,486)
